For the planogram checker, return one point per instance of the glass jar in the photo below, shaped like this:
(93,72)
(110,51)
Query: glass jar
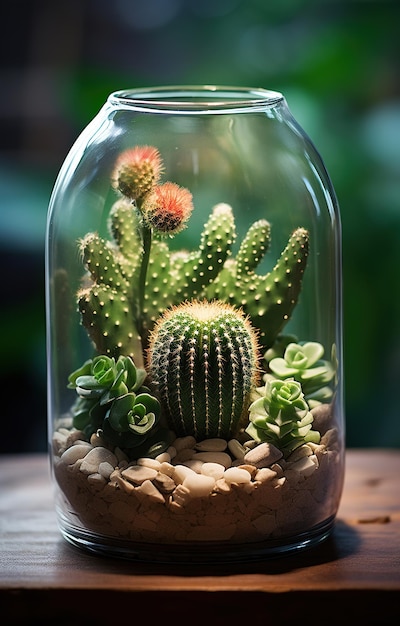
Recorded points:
(193,271)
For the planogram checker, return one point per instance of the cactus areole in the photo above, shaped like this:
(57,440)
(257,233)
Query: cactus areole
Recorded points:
(203,360)
(194,330)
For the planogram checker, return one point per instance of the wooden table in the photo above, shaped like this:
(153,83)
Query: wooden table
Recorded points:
(352,578)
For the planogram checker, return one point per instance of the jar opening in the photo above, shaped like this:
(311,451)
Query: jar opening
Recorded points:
(196,99)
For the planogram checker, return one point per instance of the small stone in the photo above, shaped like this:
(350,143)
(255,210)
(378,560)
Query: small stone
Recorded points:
(171,451)
(263,455)
(215,457)
(74,453)
(137,474)
(265,474)
(96,479)
(304,466)
(221,486)
(199,485)
(194,464)
(299,452)
(91,462)
(181,495)
(237,475)
(330,438)
(167,468)
(212,445)
(216,470)
(124,484)
(249,468)
(182,443)
(106,469)
(147,462)
(147,488)
(75,435)
(184,455)
(322,415)
(164,483)
(236,448)
(180,473)
(164,457)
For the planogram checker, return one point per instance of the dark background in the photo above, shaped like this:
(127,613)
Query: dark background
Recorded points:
(336,62)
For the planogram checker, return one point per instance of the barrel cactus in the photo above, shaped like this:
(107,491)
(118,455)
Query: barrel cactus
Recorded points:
(203,358)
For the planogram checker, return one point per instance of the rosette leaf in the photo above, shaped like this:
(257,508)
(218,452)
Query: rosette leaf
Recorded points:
(281,416)
(130,418)
(112,398)
(303,362)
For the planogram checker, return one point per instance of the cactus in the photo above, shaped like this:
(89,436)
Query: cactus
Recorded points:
(281,416)
(270,299)
(132,294)
(203,359)
(110,306)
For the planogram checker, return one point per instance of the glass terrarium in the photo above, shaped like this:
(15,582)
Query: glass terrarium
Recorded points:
(194,330)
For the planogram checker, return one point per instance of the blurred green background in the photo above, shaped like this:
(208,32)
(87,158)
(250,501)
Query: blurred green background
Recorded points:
(336,62)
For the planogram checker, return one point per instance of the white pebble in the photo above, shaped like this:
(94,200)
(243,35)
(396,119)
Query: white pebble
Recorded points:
(166,468)
(237,475)
(216,470)
(236,448)
(181,472)
(264,474)
(147,488)
(212,445)
(215,457)
(74,453)
(199,485)
(137,474)
(164,457)
(304,466)
(96,479)
(106,469)
(184,455)
(194,465)
(181,495)
(91,462)
(147,462)
(263,455)
(171,451)
(184,442)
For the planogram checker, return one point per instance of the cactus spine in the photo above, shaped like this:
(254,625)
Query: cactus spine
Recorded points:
(203,358)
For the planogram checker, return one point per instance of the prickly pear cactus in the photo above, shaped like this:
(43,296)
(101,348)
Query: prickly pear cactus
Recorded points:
(111,312)
(203,360)
(270,299)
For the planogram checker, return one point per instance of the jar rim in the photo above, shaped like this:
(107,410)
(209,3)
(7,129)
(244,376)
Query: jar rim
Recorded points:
(189,99)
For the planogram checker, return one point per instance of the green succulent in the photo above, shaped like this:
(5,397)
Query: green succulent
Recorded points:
(112,398)
(303,362)
(281,416)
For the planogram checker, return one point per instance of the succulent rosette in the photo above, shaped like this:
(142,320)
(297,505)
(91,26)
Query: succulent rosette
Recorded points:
(281,416)
(303,362)
(112,398)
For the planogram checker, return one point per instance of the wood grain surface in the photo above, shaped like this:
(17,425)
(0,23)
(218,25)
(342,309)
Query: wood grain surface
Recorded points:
(352,578)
